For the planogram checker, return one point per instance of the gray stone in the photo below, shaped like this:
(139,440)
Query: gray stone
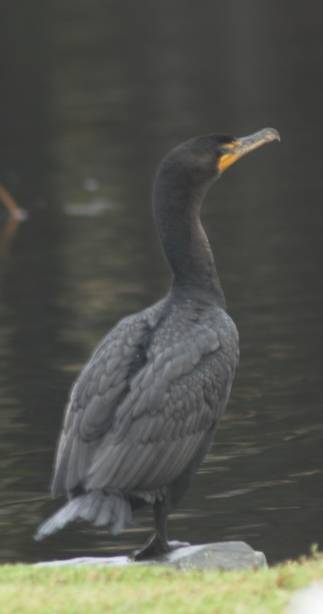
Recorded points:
(116,561)
(221,555)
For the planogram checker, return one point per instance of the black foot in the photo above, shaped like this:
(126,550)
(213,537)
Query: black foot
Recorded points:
(155,548)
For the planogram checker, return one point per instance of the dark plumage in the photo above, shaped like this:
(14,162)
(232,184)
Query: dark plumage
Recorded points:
(144,410)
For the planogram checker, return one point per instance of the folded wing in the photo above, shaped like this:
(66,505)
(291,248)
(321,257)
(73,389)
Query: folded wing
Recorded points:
(137,419)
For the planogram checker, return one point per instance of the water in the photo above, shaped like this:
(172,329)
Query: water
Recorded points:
(93,95)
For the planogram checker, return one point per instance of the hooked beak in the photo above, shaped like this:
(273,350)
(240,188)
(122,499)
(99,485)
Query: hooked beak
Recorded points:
(242,146)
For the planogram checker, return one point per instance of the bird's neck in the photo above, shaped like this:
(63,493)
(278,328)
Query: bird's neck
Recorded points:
(185,243)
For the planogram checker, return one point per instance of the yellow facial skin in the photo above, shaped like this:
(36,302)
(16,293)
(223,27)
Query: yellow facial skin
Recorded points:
(227,160)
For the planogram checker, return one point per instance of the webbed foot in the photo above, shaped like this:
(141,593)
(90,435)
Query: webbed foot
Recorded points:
(156,547)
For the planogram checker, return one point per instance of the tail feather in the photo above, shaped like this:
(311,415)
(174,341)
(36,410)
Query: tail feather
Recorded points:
(103,510)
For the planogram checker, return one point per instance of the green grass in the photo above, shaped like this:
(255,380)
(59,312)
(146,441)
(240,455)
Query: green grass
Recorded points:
(137,589)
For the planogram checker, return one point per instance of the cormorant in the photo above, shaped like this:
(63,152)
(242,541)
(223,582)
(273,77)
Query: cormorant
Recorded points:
(143,412)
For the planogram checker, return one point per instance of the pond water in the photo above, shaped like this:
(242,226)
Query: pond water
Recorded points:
(93,94)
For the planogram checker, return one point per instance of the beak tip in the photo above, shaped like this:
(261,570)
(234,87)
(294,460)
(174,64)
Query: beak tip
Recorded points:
(273,134)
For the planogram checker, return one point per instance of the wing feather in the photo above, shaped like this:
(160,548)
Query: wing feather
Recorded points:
(137,419)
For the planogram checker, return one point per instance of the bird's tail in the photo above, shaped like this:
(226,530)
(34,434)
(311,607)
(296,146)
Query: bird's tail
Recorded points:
(103,510)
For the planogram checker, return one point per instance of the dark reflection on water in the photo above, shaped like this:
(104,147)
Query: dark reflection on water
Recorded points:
(94,94)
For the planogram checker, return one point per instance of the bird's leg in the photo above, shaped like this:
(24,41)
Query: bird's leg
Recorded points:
(158,544)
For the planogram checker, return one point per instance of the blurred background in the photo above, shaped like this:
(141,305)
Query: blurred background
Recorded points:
(92,95)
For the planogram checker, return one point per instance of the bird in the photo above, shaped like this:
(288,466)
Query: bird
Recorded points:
(143,412)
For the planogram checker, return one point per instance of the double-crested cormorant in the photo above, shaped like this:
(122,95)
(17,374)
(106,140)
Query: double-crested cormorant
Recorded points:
(144,410)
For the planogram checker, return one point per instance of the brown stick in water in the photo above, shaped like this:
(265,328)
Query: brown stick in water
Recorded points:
(9,202)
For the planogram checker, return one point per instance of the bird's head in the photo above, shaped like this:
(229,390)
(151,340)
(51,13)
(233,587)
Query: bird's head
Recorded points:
(199,161)
(183,178)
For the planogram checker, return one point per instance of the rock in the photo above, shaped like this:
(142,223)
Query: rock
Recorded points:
(221,555)
(117,561)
